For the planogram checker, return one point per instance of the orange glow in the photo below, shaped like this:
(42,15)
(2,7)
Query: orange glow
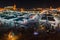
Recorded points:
(58,8)
(50,8)
(22,10)
(1,9)
(14,7)
(12,37)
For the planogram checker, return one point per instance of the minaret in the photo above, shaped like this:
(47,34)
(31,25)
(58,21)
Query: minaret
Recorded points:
(51,7)
(14,7)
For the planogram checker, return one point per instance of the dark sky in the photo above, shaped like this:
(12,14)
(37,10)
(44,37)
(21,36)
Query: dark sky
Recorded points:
(30,3)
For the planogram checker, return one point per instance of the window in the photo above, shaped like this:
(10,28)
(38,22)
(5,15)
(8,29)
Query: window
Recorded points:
(47,14)
(51,19)
(44,18)
(9,17)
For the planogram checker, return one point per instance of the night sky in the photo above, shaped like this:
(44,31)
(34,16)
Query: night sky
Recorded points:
(30,3)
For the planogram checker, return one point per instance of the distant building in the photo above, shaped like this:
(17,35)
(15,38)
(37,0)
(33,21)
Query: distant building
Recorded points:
(1,9)
(10,7)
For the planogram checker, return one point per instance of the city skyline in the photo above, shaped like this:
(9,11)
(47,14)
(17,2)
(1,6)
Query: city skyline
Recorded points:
(30,3)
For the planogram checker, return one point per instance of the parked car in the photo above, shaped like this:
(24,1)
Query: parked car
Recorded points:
(50,20)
